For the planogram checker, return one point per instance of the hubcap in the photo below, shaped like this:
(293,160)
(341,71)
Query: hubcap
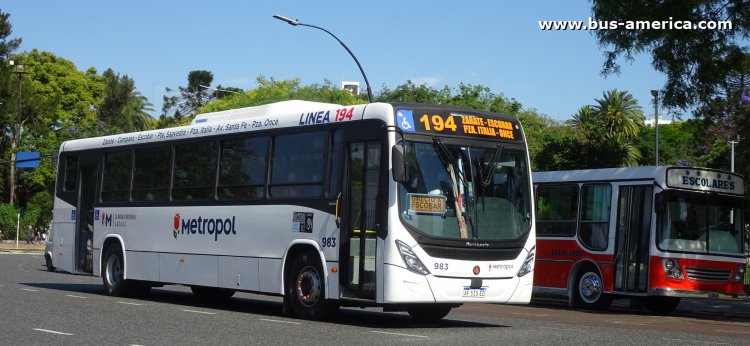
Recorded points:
(307,286)
(590,287)
(114,270)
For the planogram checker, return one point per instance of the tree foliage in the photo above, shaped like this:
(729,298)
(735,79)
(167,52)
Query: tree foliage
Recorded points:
(123,107)
(191,97)
(696,62)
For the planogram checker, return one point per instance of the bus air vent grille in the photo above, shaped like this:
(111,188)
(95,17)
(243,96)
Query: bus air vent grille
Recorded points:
(708,274)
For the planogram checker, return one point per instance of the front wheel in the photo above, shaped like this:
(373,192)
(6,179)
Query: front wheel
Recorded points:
(113,274)
(48,262)
(305,288)
(661,305)
(588,291)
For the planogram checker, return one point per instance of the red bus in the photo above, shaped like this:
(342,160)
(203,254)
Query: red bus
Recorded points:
(656,234)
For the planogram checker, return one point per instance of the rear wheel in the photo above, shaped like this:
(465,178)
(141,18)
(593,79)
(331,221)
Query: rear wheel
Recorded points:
(588,291)
(429,313)
(305,288)
(661,305)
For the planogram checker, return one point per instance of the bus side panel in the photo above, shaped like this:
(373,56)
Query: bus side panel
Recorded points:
(142,266)
(187,269)
(63,238)
(239,273)
(270,270)
(554,261)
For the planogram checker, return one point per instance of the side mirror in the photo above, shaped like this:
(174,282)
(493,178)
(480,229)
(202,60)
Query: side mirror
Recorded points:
(400,173)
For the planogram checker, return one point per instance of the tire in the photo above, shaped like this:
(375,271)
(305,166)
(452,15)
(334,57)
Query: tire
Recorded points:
(661,305)
(211,294)
(113,272)
(429,312)
(305,288)
(48,262)
(588,291)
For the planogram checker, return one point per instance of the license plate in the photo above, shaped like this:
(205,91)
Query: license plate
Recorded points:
(475,292)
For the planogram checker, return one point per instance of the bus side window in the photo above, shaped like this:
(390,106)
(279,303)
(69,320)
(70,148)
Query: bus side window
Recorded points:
(557,210)
(71,174)
(298,165)
(595,209)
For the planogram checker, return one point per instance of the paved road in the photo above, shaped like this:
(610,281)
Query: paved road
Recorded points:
(43,308)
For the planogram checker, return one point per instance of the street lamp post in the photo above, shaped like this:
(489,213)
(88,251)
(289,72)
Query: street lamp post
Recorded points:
(732,159)
(17,135)
(655,94)
(295,22)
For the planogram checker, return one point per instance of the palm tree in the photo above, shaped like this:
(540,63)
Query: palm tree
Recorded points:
(619,112)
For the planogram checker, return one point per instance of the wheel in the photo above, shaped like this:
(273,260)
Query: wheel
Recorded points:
(48,261)
(113,274)
(661,305)
(588,291)
(429,313)
(305,288)
(211,294)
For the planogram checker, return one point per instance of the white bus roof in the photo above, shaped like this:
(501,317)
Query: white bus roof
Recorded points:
(275,115)
(292,106)
(685,178)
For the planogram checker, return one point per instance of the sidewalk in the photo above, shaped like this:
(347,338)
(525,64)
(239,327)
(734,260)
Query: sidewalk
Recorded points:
(10,245)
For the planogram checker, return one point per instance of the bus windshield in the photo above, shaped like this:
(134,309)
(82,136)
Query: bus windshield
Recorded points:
(700,223)
(462,192)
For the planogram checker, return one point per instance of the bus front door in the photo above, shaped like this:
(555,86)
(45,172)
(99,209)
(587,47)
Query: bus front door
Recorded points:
(634,208)
(72,237)
(360,219)
(85,224)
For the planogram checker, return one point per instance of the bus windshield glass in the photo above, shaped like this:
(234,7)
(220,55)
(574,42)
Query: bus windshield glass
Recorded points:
(462,192)
(700,223)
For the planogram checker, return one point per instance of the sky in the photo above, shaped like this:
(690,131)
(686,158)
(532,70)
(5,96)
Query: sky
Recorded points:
(497,44)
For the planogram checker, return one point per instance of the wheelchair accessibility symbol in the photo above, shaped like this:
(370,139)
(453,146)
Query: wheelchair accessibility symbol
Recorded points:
(405,120)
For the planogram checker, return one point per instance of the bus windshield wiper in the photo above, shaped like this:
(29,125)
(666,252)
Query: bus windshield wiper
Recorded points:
(491,165)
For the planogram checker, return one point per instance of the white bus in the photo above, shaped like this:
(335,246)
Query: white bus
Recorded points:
(406,206)
(654,234)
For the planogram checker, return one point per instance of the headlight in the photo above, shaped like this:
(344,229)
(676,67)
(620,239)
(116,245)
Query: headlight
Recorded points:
(410,258)
(740,273)
(672,269)
(528,264)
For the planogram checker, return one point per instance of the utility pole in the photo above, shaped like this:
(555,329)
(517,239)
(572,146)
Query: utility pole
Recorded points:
(731,169)
(655,94)
(16,137)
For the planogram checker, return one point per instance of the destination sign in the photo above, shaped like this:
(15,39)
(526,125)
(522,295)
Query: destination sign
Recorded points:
(458,123)
(426,204)
(705,180)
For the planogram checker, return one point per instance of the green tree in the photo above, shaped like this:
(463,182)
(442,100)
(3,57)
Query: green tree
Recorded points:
(680,143)
(618,113)
(7,45)
(123,108)
(197,93)
(271,90)
(604,135)
(8,220)
(696,62)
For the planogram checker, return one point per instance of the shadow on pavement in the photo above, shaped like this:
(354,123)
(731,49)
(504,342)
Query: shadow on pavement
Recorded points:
(247,303)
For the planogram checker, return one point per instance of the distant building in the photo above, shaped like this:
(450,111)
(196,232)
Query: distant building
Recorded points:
(353,87)
(649,122)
